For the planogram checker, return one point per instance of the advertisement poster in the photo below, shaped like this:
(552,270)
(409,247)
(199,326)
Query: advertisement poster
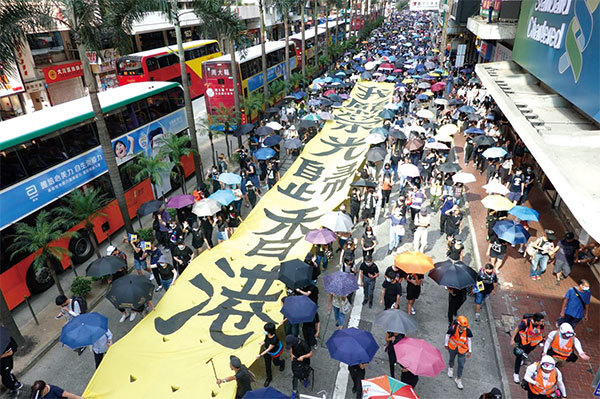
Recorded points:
(10,81)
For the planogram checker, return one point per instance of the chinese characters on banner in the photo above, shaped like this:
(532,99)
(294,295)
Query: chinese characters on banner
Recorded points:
(57,73)
(219,305)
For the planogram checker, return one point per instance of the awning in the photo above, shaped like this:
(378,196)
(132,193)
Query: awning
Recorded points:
(564,143)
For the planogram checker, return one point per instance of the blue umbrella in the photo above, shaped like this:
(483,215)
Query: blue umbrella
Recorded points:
(511,231)
(352,346)
(422,97)
(264,153)
(494,152)
(525,213)
(365,75)
(340,283)
(467,109)
(390,78)
(387,114)
(265,393)
(272,140)
(299,309)
(223,197)
(380,130)
(474,130)
(299,94)
(84,330)
(230,178)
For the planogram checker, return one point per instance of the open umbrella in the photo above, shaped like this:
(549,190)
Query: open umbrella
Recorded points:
(243,129)
(474,117)
(384,387)
(449,167)
(463,177)
(299,309)
(84,330)
(364,183)
(264,153)
(131,291)
(453,274)
(264,131)
(395,320)
(206,207)
(449,128)
(436,145)
(375,154)
(352,346)
(223,197)
(483,140)
(414,145)
(105,266)
(438,86)
(440,101)
(149,207)
(387,114)
(525,213)
(419,356)
(337,221)
(272,140)
(379,130)
(180,201)
(495,187)
(408,169)
(397,134)
(494,152)
(425,113)
(467,109)
(413,262)
(320,236)
(295,274)
(474,130)
(340,283)
(511,232)
(272,110)
(311,117)
(230,178)
(497,203)
(265,393)
(307,123)
(292,143)
(446,138)
(374,138)
(326,116)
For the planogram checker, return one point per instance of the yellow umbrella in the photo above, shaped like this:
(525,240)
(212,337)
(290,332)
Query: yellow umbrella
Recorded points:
(449,128)
(445,138)
(405,81)
(434,74)
(497,203)
(429,93)
(435,50)
(364,42)
(445,73)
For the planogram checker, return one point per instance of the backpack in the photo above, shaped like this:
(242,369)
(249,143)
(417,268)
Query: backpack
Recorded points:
(83,306)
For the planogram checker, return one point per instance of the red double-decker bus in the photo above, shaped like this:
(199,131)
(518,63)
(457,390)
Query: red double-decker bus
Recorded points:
(162,64)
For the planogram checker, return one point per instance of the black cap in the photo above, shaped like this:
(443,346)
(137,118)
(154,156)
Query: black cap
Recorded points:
(235,361)
(291,341)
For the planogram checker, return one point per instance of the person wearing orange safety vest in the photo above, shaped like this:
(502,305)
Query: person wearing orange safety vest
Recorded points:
(525,338)
(458,344)
(561,344)
(543,380)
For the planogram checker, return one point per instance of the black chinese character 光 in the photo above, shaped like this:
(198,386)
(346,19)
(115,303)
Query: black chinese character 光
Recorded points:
(297,192)
(349,147)
(273,248)
(338,179)
(309,169)
(299,217)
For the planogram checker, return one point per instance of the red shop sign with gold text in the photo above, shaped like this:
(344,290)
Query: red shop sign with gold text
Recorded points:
(57,73)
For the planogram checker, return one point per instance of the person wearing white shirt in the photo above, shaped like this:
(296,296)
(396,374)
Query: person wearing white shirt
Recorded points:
(543,379)
(561,344)
(100,347)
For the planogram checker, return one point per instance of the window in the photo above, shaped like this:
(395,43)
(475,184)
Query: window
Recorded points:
(103,184)
(151,64)
(127,174)
(115,124)
(80,139)
(212,48)
(158,105)
(176,98)
(129,66)
(42,153)
(140,112)
(129,119)
(11,169)
(168,60)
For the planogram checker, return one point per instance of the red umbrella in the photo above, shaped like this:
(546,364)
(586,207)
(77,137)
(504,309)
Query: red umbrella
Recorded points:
(438,86)
(419,356)
(328,92)
(387,66)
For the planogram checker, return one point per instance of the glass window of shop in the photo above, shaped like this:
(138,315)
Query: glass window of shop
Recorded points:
(152,40)
(46,48)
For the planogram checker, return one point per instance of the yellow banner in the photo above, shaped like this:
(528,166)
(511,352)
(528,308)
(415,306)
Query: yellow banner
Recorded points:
(219,305)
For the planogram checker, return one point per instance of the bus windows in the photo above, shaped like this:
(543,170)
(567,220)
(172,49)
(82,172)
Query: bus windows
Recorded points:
(115,124)
(129,66)
(151,64)
(42,153)
(212,48)
(158,105)
(140,112)
(167,60)
(11,169)
(176,98)
(127,174)
(80,139)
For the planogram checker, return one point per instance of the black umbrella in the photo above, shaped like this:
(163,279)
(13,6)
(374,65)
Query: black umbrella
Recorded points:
(326,102)
(306,123)
(448,167)
(395,320)
(334,97)
(264,131)
(455,101)
(131,291)
(364,183)
(474,117)
(149,207)
(105,266)
(295,274)
(453,274)
(483,140)
(414,144)
(243,129)
(272,110)
(397,134)
(4,338)
(376,154)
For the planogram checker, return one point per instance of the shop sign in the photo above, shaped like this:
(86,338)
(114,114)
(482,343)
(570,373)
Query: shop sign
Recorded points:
(484,11)
(10,80)
(558,42)
(58,73)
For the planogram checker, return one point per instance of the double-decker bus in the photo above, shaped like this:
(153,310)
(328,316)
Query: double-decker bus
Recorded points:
(309,40)
(162,65)
(219,82)
(47,154)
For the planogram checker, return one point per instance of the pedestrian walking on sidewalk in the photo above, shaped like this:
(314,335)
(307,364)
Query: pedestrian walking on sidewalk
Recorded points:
(243,377)
(41,390)
(341,306)
(526,336)
(100,347)
(544,249)
(273,349)
(153,255)
(458,344)
(6,366)
(566,253)
(413,290)
(422,223)
(300,353)
(487,276)
(397,230)
(391,291)
(357,374)
(543,379)
(576,304)
(496,251)
(561,344)
(391,339)
(456,298)
(368,274)
(368,242)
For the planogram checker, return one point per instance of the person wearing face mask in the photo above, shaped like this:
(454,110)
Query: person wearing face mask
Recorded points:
(543,379)
(182,255)
(489,279)
(528,180)
(273,349)
(391,291)
(198,238)
(516,186)
(397,229)
(526,336)
(458,344)
(368,274)
(368,242)
(576,304)
(565,256)
(561,344)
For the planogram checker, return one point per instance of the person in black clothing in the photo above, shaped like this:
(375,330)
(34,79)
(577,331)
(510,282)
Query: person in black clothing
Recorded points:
(357,373)
(368,274)
(6,365)
(456,298)
(273,349)
(528,180)
(182,255)
(413,290)
(300,353)
(206,225)
(242,376)
(355,199)
(453,222)
(311,260)
(527,335)
(198,238)
(391,291)
(408,377)
(455,250)
(391,339)
(311,331)
(496,251)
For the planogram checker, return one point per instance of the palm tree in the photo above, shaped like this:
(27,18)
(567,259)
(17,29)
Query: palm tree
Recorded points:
(262,47)
(284,7)
(254,102)
(228,118)
(84,206)
(149,167)
(40,240)
(316,23)
(176,147)
(303,45)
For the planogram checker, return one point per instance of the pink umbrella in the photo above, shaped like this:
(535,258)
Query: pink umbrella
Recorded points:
(436,145)
(438,86)
(419,356)
(180,201)
(387,66)
(328,92)
(320,236)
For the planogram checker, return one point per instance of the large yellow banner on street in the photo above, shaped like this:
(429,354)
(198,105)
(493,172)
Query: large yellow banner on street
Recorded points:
(219,305)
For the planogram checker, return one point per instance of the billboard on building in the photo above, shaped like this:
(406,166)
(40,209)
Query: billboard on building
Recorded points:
(558,42)
(424,5)
(10,80)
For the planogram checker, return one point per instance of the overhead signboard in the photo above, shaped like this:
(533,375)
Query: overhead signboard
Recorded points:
(10,80)
(57,73)
(558,42)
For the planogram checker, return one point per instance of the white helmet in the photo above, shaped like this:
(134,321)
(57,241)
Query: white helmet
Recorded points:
(547,363)
(566,330)
(110,250)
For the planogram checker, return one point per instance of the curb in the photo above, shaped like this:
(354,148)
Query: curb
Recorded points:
(488,309)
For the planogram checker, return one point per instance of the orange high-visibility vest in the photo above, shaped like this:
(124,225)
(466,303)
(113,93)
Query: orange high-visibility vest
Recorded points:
(460,341)
(562,352)
(548,387)
(531,335)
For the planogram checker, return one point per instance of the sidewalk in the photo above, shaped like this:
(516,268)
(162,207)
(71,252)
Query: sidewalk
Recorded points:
(520,295)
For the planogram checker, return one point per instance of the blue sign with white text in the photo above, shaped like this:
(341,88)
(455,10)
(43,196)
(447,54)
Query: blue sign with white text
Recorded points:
(256,81)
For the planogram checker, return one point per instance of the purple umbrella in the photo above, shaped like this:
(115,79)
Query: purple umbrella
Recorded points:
(340,283)
(344,96)
(180,201)
(320,236)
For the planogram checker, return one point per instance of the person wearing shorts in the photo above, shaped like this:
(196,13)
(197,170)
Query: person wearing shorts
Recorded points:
(496,251)
(413,290)
(488,277)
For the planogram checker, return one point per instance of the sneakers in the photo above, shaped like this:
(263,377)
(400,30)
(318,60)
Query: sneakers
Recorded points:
(516,378)
(81,350)
(413,311)
(151,277)
(305,382)
(267,382)
(477,316)
(459,384)
(17,386)
(450,372)
(158,288)
(123,317)
(132,316)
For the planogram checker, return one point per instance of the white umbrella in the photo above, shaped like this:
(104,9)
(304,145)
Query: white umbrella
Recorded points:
(369,65)
(206,207)
(440,101)
(274,125)
(446,138)
(463,177)
(495,187)
(408,169)
(425,113)
(414,128)
(374,138)
(337,221)
(450,128)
